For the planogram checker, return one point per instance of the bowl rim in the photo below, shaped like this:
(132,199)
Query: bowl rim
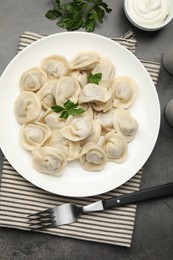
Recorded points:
(148,28)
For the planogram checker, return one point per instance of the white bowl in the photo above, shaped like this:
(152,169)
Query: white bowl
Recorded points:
(144,27)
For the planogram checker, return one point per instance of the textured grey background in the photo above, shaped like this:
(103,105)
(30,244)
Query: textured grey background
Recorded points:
(153,234)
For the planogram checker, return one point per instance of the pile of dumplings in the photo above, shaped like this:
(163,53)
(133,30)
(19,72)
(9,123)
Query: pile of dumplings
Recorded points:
(95,137)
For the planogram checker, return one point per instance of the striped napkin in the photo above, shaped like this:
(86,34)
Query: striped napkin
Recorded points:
(18,197)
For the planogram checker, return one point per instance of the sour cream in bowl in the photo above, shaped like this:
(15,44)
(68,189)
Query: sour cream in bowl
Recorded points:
(149,15)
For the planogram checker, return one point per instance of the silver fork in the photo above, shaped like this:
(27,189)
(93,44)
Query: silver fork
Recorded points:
(68,213)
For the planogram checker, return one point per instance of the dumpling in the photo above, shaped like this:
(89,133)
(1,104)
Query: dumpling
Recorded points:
(88,109)
(125,124)
(56,66)
(84,60)
(107,68)
(93,158)
(94,137)
(34,135)
(69,148)
(32,79)
(67,88)
(49,160)
(115,147)
(74,150)
(47,94)
(58,141)
(124,92)
(81,76)
(77,127)
(106,119)
(52,119)
(93,92)
(27,107)
(102,106)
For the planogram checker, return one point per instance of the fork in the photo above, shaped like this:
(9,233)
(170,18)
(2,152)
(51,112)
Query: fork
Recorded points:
(69,213)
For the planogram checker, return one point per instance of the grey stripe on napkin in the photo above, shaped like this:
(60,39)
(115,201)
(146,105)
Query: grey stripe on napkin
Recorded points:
(18,197)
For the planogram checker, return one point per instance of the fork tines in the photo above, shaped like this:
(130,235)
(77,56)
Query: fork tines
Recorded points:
(41,220)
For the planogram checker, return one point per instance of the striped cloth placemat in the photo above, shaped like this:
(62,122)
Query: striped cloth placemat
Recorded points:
(18,197)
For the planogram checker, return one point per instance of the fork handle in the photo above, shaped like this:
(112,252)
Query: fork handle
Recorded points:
(138,196)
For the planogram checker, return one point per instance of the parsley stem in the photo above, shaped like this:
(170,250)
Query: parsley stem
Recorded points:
(91,6)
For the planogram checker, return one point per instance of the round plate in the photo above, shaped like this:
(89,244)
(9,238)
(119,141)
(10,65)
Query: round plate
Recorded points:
(75,182)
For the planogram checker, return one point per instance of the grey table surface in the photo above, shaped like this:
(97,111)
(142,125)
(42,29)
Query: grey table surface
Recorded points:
(153,233)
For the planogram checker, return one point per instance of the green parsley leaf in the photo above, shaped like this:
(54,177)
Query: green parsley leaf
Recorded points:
(69,109)
(70,105)
(74,112)
(94,78)
(57,108)
(52,14)
(89,24)
(64,115)
(78,14)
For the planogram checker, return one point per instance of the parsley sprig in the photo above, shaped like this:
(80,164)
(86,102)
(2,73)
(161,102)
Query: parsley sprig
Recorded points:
(78,13)
(94,78)
(68,109)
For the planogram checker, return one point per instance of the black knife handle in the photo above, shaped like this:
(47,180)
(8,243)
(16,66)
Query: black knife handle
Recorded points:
(138,196)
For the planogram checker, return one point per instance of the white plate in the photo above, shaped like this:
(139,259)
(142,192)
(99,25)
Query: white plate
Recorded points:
(76,182)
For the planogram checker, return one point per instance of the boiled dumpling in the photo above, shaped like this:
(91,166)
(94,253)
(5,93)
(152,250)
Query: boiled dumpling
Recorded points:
(52,119)
(78,127)
(34,135)
(47,94)
(67,88)
(56,66)
(106,119)
(93,158)
(84,60)
(93,92)
(58,141)
(27,107)
(74,150)
(33,79)
(115,147)
(107,69)
(49,160)
(124,92)
(81,76)
(88,109)
(69,148)
(94,137)
(102,106)
(125,124)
